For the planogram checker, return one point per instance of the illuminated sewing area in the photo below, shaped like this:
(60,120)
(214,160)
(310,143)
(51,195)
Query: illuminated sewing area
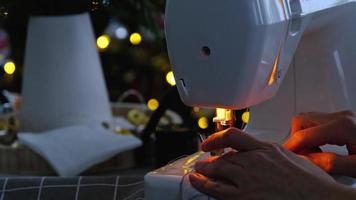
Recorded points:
(277,57)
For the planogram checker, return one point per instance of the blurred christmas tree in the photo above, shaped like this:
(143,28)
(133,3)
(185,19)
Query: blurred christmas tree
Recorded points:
(130,39)
(132,43)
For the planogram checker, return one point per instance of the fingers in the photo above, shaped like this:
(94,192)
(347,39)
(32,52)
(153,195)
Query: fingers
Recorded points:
(311,119)
(326,161)
(301,122)
(233,138)
(212,188)
(219,168)
(335,164)
(335,132)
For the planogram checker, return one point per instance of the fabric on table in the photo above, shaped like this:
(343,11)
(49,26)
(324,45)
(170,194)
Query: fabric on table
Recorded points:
(75,188)
(72,150)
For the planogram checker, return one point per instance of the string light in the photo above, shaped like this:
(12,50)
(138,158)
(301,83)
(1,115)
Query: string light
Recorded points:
(153,104)
(203,123)
(170,78)
(3,12)
(135,38)
(196,109)
(10,68)
(95,5)
(246,117)
(106,3)
(103,42)
(121,33)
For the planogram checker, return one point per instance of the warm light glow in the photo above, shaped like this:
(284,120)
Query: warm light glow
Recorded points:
(192,159)
(10,68)
(103,41)
(223,115)
(246,117)
(273,76)
(203,123)
(135,38)
(323,160)
(170,78)
(220,113)
(153,104)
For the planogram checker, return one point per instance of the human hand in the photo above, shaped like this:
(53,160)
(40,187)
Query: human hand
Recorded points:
(312,130)
(258,170)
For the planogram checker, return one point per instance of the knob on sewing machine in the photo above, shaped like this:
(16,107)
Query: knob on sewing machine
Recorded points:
(237,54)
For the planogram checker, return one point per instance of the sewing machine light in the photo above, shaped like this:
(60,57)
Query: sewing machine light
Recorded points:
(224,119)
(223,116)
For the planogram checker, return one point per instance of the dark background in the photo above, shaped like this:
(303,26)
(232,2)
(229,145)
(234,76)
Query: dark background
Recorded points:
(126,66)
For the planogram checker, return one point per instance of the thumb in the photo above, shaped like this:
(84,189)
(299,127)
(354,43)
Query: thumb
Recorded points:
(334,163)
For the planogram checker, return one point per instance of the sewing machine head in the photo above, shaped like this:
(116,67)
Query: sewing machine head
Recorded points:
(235,54)
(227,54)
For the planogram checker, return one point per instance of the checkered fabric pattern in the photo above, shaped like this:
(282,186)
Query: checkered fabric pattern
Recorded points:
(78,188)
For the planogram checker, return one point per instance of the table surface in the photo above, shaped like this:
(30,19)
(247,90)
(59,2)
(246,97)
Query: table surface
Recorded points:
(72,188)
(111,185)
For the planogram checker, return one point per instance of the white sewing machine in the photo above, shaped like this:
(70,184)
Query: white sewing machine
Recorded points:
(235,54)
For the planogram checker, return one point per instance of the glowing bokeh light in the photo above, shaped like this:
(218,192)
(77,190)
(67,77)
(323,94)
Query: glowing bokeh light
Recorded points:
(153,104)
(170,78)
(246,117)
(203,123)
(135,38)
(121,33)
(10,68)
(103,41)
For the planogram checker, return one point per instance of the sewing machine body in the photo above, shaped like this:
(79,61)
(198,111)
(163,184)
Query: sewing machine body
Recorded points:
(238,54)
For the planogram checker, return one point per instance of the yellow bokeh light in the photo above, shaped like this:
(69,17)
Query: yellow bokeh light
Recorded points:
(203,123)
(246,117)
(103,41)
(170,78)
(135,38)
(10,68)
(153,104)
